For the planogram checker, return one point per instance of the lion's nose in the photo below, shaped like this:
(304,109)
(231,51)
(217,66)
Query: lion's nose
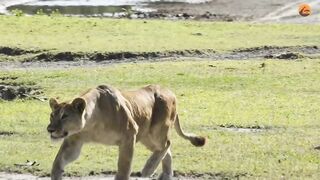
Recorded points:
(50,129)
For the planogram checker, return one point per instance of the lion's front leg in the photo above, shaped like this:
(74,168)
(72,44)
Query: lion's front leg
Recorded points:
(69,151)
(126,149)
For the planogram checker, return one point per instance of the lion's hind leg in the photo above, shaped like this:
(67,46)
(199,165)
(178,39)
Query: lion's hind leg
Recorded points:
(157,139)
(154,160)
(167,172)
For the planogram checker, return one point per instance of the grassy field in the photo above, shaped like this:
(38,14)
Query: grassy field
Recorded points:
(283,96)
(109,35)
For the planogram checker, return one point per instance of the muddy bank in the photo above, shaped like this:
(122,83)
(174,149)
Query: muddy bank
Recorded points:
(155,9)
(16,51)
(9,93)
(115,56)
(11,90)
(49,59)
(276,52)
(211,10)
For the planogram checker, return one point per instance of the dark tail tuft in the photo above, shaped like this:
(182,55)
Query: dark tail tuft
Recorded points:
(198,141)
(194,139)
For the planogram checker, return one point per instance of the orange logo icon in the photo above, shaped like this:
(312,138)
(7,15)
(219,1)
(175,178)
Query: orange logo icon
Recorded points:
(304,9)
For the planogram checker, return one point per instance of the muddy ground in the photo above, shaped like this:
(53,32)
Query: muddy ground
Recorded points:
(234,9)
(110,176)
(13,92)
(58,60)
(248,10)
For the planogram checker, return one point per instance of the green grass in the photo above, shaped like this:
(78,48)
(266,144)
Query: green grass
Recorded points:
(284,96)
(87,35)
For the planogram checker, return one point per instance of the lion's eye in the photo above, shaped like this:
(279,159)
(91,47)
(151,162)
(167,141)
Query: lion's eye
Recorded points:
(64,116)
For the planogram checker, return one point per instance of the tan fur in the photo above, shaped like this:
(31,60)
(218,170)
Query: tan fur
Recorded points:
(108,116)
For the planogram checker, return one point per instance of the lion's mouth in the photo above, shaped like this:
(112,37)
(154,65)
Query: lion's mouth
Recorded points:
(58,136)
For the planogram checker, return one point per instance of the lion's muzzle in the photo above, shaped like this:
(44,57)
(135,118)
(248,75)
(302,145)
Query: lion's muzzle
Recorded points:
(56,133)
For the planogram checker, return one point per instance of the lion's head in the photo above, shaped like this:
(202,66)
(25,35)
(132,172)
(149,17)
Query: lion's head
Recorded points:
(66,118)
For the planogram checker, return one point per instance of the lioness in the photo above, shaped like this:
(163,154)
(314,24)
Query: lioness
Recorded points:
(112,117)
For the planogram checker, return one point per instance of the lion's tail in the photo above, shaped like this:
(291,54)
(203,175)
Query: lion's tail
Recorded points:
(194,139)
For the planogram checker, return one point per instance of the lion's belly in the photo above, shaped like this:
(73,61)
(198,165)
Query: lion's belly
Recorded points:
(107,138)
(102,136)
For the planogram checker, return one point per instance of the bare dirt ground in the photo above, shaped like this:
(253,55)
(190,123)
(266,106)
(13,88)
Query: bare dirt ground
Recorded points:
(10,176)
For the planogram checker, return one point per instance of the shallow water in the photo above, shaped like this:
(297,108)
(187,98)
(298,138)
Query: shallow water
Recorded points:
(89,7)
(104,2)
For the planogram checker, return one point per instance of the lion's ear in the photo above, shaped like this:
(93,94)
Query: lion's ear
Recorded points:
(79,104)
(53,103)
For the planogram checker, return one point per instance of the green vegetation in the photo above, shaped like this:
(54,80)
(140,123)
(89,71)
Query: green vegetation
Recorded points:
(110,35)
(284,96)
